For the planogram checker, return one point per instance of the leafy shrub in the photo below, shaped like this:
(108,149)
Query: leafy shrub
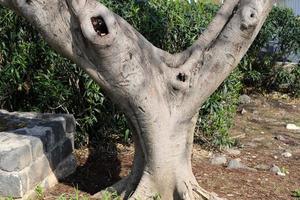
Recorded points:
(33,77)
(296,194)
(285,79)
(277,41)
(217,113)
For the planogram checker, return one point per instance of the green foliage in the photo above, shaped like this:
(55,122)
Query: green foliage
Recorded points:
(296,194)
(170,25)
(217,113)
(6,198)
(157,197)
(75,196)
(281,30)
(39,192)
(110,196)
(286,80)
(33,77)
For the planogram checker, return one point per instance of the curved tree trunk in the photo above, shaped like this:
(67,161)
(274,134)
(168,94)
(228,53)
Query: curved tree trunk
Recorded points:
(160,93)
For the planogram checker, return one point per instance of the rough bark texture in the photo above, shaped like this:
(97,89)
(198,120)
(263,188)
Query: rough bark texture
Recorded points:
(160,93)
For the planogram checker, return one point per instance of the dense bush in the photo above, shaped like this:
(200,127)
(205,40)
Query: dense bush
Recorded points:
(33,77)
(277,41)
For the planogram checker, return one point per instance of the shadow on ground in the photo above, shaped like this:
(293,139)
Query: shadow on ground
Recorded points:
(98,169)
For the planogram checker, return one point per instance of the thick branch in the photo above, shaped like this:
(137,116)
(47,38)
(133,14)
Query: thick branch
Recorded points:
(124,63)
(191,54)
(209,66)
(119,58)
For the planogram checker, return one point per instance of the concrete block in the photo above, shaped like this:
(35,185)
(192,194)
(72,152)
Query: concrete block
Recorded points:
(71,123)
(58,128)
(55,157)
(38,171)
(45,134)
(34,149)
(69,119)
(13,184)
(66,167)
(37,147)
(15,153)
(66,148)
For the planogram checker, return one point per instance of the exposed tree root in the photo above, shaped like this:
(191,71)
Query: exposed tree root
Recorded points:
(144,189)
(200,193)
(121,188)
(190,190)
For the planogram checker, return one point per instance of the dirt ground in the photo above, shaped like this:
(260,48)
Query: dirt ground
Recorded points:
(262,138)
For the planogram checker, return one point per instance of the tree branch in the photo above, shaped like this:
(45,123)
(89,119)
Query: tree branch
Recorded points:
(113,53)
(219,50)
(191,54)
(129,67)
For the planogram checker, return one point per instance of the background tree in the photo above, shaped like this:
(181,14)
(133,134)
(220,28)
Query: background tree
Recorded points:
(160,93)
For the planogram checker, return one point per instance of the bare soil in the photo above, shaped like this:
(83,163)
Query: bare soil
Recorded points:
(257,132)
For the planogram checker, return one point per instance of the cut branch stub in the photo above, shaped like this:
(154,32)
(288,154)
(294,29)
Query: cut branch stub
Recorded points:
(99,26)
(95,20)
(251,11)
(182,77)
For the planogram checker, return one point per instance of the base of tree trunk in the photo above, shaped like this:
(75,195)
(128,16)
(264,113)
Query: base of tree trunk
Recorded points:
(143,183)
(129,188)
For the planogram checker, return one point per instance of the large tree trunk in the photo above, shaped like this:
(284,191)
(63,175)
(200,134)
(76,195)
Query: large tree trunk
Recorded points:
(160,93)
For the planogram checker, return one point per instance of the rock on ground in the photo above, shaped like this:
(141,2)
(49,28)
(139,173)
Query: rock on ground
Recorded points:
(218,160)
(262,167)
(236,164)
(244,99)
(292,127)
(234,152)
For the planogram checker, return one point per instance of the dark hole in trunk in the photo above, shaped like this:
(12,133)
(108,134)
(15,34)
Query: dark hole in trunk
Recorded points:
(182,77)
(99,26)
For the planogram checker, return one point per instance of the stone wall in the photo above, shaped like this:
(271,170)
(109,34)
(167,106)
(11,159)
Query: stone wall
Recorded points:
(35,149)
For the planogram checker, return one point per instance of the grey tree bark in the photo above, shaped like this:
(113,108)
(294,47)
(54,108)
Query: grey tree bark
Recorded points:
(160,93)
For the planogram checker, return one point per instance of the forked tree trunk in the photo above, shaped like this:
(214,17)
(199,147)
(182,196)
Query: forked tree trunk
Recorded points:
(160,93)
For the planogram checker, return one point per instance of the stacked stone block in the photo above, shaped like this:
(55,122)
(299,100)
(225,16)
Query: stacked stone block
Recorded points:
(35,149)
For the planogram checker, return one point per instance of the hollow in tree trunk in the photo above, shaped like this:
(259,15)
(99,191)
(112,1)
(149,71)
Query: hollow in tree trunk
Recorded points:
(160,93)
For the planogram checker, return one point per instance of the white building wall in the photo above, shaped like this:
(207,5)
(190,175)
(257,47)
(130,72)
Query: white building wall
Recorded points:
(293,4)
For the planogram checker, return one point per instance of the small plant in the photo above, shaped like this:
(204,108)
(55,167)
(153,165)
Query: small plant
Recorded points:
(76,196)
(110,196)
(39,192)
(284,170)
(157,197)
(127,135)
(6,198)
(296,194)
(62,197)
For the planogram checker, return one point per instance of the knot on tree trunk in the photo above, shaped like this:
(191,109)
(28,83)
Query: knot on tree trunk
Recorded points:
(98,24)
(251,12)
